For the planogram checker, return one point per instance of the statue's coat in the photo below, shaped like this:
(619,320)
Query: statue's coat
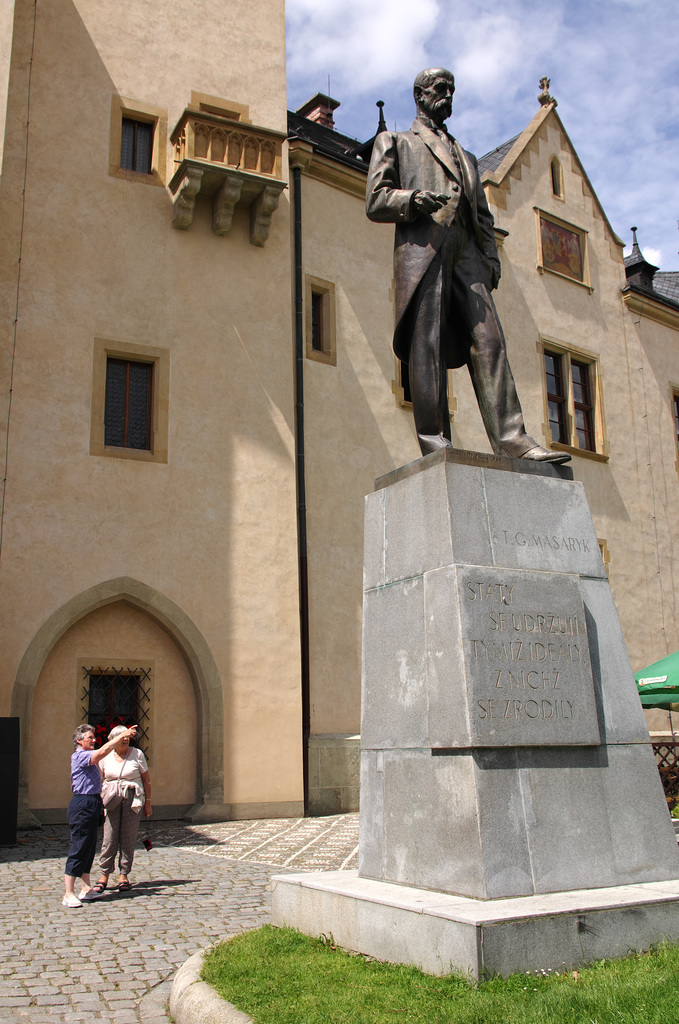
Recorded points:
(419,160)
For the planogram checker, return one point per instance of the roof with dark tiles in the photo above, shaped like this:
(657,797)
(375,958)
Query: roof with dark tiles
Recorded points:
(666,284)
(491,161)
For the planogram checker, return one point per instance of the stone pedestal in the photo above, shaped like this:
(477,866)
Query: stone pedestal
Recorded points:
(505,760)
(504,747)
(441,933)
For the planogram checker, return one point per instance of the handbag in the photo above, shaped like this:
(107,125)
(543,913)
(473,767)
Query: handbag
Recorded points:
(113,791)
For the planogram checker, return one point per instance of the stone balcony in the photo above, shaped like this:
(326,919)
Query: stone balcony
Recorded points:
(230,162)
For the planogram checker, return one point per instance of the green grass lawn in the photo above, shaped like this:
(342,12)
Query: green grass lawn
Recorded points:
(278,976)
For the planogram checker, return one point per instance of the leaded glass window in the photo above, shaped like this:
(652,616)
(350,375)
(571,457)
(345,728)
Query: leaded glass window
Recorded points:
(582,405)
(317,322)
(136,146)
(556,397)
(127,413)
(117,696)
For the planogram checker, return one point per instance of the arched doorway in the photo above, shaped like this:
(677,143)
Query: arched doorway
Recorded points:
(127,625)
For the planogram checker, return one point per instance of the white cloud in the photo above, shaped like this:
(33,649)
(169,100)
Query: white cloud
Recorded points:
(360,46)
(612,65)
(491,50)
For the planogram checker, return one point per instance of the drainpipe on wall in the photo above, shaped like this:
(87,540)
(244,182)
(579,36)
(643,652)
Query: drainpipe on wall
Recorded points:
(300,155)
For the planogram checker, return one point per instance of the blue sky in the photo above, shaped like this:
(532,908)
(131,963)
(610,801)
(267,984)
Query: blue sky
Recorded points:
(613,65)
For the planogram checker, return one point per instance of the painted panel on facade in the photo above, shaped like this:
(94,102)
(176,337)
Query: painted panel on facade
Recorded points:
(562,249)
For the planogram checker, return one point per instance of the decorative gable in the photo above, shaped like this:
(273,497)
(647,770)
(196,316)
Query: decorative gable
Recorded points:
(545,141)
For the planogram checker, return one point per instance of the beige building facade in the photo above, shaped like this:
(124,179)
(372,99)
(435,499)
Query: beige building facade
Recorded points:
(198,390)
(158,569)
(566,306)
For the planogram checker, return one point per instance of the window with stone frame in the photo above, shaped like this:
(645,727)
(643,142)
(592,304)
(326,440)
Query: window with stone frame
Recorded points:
(137,141)
(129,404)
(556,175)
(319,298)
(136,145)
(573,401)
(117,695)
(130,401)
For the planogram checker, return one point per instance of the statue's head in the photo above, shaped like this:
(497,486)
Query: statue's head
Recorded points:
(433,91)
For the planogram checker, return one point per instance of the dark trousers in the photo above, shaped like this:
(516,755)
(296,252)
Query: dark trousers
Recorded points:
(453,320)
(84,812)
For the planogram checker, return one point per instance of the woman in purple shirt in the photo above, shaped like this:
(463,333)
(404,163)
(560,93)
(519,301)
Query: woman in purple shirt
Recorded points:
(84,811)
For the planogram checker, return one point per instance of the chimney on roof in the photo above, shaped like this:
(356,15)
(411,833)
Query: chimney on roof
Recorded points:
(638,270)
(320,109)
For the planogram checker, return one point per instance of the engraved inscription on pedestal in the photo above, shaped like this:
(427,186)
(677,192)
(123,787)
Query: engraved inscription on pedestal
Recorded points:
(528,672)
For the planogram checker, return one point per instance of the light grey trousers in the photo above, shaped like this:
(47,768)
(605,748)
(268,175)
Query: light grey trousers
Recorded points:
(121,827)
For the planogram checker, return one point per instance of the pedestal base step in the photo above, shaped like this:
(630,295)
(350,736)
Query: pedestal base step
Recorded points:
(441,934)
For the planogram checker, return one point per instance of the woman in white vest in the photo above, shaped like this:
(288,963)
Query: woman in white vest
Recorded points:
(127,781)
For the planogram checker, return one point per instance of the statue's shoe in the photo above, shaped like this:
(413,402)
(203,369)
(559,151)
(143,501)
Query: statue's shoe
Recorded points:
(540,454)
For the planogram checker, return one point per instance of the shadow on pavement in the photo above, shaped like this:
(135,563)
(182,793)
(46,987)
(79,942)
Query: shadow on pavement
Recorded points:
(52,841)
(149,887)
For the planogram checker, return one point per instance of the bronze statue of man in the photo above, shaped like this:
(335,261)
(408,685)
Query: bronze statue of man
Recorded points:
(446,265)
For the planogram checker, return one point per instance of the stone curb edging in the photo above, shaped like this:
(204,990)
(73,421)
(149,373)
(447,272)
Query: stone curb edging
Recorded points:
(193,1001)
(152,1007)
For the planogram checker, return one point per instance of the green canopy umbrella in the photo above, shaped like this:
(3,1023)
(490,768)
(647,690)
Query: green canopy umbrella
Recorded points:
(658,684)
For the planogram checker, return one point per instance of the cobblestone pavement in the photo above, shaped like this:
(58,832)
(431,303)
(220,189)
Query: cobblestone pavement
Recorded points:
(113,960)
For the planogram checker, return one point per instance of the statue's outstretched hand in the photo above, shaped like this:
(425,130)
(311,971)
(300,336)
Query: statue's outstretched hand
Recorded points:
(429,202)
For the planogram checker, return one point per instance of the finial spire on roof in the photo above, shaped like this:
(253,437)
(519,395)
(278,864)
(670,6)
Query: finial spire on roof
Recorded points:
(638,270)
(544,96)
(364,152)
(636,255)
(382,124)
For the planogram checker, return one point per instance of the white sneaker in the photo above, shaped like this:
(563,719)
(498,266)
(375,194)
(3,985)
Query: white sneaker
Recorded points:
(89,894)
(71,900)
